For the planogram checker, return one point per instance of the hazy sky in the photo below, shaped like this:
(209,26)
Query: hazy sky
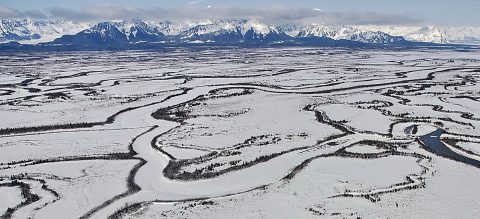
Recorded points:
(450,12)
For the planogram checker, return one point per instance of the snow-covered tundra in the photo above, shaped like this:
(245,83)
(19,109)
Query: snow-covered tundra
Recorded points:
(240,133)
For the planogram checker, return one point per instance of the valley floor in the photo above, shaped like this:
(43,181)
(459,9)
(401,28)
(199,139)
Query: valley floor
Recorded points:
(240,133)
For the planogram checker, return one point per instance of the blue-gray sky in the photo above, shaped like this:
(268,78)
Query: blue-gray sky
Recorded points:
(447,12)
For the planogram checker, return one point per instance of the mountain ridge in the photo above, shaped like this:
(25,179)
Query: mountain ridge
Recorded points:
(222,32)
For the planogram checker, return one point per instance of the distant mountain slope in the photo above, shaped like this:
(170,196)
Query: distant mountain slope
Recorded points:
(138,31)
(222,32)
(462,35)
(350,33)
(233,30)
(28,31)
(103,33)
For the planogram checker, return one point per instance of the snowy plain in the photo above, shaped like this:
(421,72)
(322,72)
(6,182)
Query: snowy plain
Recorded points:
(240,133)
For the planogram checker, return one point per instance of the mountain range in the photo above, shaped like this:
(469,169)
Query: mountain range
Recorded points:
(221,32)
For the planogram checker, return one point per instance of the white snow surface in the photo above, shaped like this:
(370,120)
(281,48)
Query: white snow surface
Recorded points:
(239,133)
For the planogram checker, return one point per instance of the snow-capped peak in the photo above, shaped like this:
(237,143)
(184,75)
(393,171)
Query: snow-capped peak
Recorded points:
(35,31)
(258,27)
(348,33)
(29,31)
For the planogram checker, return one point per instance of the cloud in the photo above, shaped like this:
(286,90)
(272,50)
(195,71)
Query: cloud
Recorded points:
(194,2)
(273,15)
(6,12)
(364,18)
(34,14)
(103,12)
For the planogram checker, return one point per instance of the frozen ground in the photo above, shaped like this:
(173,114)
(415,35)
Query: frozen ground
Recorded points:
(240,133)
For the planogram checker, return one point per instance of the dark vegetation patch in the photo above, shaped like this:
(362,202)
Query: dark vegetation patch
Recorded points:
(181,112)
(26,193)
(57,95)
